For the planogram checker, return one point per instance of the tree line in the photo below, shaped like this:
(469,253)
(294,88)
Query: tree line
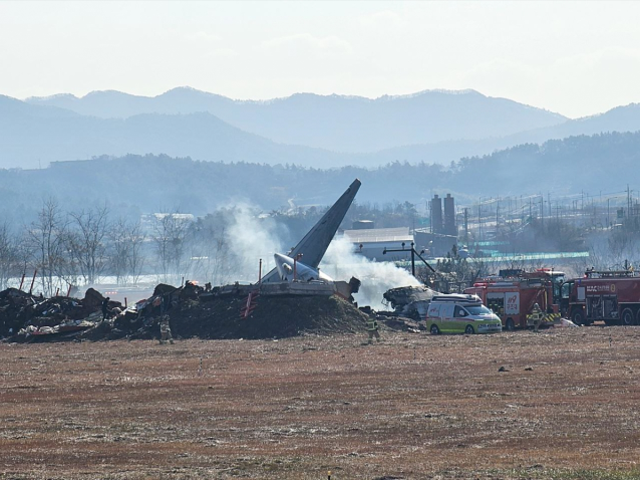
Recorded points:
(84,246)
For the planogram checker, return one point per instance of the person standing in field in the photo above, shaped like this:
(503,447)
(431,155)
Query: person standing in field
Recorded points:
(372,329)
(536,316)
(165,330)
(105,308)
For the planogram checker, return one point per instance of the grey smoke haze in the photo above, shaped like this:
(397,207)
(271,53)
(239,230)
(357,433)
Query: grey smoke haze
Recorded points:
(253,239)
(341,263)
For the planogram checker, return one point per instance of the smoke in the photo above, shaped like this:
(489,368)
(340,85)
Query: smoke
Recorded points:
(341,263)
(250,239)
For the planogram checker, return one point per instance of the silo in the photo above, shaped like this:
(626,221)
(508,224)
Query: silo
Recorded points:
(436,215)
(450,216)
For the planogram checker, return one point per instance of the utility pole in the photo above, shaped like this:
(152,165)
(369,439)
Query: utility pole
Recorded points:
(479,223)
(413,256)
(466,226)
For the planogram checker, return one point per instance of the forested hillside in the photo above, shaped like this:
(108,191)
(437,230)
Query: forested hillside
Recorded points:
(305,130)
(142,184)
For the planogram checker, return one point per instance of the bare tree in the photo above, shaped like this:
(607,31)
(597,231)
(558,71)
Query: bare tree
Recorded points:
(169,235)
(126,253)
(210,250)
(47,236)
(86,241)
(9,255)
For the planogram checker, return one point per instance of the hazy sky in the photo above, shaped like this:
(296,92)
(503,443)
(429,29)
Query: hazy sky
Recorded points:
(576,58)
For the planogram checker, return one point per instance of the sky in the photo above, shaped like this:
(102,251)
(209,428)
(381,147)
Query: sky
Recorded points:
(576,58)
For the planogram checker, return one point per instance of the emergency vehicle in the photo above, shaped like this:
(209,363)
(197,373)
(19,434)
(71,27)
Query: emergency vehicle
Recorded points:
(457,313)
(613,297)
(512,295)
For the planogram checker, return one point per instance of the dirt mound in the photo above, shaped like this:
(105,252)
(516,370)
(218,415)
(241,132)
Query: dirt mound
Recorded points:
(272,317)
(192,311)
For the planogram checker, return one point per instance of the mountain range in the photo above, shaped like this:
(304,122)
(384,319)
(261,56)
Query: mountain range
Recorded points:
(338,123)
(303,129)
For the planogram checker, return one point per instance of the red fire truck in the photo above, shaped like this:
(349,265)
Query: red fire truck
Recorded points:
(512,295)
(610,296)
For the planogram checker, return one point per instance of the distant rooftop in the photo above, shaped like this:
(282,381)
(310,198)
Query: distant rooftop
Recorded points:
(400,234)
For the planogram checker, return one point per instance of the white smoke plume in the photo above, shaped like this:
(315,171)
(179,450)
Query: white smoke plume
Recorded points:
(341,262)
(252,239)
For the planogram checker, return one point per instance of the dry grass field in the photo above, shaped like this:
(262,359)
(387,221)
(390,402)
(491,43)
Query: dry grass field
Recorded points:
(558,404)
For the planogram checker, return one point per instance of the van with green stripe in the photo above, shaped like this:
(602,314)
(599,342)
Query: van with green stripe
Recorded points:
(460,313)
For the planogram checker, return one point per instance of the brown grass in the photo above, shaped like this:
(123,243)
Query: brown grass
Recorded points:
(414,406)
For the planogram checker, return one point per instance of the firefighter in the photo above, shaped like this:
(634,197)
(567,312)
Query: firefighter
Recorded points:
(372,329)
(165,330)
(105,308)
(536,316)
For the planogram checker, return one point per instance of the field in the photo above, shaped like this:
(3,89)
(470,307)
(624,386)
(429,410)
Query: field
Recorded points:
(556,404)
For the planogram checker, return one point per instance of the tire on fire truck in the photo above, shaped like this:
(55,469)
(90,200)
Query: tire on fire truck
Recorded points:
(577,317)
(510,326)
(627,317)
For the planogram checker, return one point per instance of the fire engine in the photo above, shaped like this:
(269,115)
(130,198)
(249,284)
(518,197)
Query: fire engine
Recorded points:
(513,293)
(610,296)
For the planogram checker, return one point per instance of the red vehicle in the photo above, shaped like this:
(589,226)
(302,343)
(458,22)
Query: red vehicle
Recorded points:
(610,296)
(513,296)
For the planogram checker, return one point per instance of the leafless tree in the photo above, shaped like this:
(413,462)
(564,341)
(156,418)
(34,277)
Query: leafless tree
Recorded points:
(87,241)
(169,235)
(9,255)
(47,239)
(210,252)
(127,260)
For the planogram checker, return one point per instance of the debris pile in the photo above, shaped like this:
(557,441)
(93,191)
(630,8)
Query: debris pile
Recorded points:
(26,315)
(411,301)
(193,311)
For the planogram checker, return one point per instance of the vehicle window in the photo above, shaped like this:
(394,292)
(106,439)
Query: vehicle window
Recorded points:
(460,312)
(566,290)
(478,310)
(446,310)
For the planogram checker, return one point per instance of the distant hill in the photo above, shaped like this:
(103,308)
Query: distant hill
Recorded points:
(64,127)
(603,163)
(33,135)
(339,123)
(619,119)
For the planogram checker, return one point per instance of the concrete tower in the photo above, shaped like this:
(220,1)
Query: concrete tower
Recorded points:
(436,215)
(450,227)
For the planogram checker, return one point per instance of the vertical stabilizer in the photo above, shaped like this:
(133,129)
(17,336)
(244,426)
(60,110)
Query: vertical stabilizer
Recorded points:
(315,243)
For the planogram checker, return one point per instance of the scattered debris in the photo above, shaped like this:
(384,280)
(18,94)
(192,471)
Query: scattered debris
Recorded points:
(410,301)
(192,311)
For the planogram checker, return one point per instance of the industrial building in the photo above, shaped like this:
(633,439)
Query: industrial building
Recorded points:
(436,240)
(371,242)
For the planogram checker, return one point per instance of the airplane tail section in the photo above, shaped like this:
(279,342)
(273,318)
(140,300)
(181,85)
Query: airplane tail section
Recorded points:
(315,243)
